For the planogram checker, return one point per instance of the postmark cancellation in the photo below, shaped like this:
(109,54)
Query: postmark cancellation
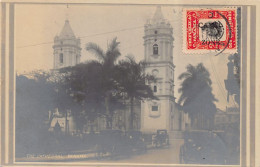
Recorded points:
(208,30)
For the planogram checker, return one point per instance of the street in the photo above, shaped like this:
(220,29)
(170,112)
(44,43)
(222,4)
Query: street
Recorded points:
(159,156)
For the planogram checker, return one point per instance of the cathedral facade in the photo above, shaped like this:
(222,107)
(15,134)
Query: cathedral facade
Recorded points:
(152,115)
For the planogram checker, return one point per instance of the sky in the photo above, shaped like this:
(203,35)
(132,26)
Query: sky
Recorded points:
(37,25)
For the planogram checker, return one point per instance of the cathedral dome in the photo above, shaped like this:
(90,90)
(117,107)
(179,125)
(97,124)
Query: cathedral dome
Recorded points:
(67,32)
(158,20)
(67,50)
(158,16)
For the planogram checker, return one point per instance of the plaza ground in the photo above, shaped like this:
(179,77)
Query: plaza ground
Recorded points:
(157,156)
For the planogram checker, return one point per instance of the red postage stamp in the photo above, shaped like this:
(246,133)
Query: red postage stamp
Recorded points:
(207,30)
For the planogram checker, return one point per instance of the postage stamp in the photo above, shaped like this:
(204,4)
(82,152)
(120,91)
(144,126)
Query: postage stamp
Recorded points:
(209,30)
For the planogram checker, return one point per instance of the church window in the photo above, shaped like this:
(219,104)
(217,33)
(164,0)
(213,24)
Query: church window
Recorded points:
(155,32)
(61,42)
(61,58)
(155,49)
(154,108)
(155,88)
(155,40)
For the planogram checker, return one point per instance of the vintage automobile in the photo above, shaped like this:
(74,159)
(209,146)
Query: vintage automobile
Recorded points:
(203,147)
(161,138)
(113,143)
(136,140)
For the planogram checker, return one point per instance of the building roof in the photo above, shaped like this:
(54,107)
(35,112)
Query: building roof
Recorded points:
(67,32)
(61,122)
(158,16)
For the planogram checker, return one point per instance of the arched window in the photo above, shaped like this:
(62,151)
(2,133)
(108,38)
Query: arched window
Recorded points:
(155,49)
(155,88)
(61,57)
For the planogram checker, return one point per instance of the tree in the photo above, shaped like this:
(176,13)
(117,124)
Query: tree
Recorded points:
(61,98)
(46,90)
(131,81)
(107,60)
(86,87)
(34,98)
(196,96)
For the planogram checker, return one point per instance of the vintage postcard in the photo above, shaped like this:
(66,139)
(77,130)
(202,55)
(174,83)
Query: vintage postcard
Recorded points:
(129,84)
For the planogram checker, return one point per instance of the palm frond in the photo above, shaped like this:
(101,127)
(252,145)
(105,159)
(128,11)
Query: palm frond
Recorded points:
(95,49)
(191,69)
(113,45)
(184,75)
(130,58)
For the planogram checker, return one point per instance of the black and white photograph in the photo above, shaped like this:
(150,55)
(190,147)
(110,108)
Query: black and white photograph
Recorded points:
(136,84)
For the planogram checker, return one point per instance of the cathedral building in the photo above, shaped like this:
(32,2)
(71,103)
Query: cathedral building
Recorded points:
(158,53)
(67,50)
(163,113)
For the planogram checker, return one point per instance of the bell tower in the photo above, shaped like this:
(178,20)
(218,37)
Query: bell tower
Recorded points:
(158,51)
(67,51)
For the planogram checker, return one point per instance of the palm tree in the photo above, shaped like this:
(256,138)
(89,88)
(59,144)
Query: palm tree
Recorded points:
(86,87)
(131,79)
(196,96)
(108,60)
